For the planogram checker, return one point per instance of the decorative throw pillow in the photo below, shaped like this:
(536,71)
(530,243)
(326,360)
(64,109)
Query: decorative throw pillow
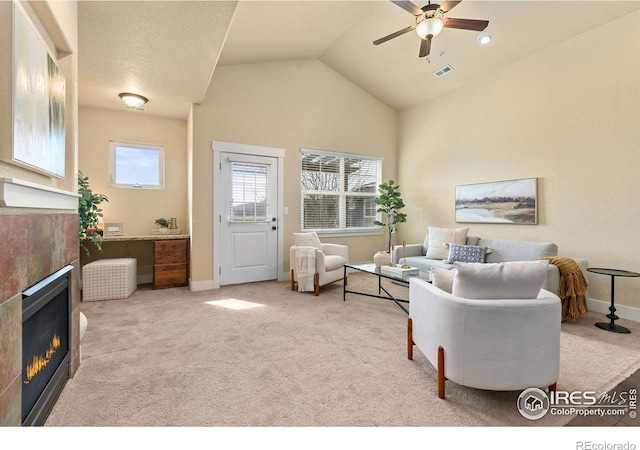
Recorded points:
(440,236)
(466,253)
(443,278)
(510,280)
(310,239)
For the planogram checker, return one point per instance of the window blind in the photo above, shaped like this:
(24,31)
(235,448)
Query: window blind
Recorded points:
(338,191)
(249,194)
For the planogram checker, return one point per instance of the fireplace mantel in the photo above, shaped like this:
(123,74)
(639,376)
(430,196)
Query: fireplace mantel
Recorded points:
(15,193)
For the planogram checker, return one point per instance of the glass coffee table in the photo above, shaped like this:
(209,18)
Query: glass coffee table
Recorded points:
(370,268)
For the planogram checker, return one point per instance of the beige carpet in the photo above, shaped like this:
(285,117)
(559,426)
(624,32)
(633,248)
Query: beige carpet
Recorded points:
(170,358)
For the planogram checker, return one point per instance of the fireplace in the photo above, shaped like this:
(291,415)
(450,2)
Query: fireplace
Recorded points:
(46,344)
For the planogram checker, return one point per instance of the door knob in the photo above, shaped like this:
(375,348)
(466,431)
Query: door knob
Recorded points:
(274,227)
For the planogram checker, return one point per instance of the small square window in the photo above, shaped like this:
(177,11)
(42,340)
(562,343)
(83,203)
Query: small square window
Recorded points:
(133,165)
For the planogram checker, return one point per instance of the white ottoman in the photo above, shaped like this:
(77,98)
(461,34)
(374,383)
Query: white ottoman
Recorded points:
(109,279)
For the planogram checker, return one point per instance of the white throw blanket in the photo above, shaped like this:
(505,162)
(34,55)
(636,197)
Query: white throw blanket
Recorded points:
(305,263)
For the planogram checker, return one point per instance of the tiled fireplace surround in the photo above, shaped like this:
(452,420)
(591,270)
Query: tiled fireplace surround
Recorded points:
(32,246)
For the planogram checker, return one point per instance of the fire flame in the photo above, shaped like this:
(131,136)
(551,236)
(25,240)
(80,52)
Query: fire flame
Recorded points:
(39,362)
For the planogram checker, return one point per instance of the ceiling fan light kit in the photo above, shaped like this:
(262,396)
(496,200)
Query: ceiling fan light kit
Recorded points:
(430,21)
(431,26)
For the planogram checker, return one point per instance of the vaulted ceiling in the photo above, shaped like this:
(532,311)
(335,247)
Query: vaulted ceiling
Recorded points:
(168,51)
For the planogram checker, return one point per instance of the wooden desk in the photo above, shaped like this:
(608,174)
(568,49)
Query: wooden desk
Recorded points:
(170,257)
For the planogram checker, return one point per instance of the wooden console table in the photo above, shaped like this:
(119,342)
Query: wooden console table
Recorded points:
(170,258)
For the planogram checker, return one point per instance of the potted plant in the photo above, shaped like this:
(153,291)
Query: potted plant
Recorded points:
(164,223)
(89,212)
(389,203)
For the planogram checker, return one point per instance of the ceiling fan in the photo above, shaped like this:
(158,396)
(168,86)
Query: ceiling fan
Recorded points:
(430,21)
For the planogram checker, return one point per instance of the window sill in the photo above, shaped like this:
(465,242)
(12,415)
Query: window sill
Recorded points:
(343,233)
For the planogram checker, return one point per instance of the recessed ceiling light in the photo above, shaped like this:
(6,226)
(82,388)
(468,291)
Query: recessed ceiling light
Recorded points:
(485,38)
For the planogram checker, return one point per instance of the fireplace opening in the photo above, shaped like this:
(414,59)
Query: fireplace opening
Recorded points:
(46,331)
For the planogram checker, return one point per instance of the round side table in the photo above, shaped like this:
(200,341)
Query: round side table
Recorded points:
(613,273)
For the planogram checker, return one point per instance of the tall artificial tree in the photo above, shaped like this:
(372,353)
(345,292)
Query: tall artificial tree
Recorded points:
(389,203)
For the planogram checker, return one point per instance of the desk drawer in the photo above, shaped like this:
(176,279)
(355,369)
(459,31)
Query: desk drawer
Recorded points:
(170,263)
(169,275)
(170,251)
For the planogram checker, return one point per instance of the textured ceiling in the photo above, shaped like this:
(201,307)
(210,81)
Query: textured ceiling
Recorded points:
(163,50)
(170,53)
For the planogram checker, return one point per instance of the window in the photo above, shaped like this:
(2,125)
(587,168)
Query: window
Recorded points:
(249,202)
(133,165)
(338,192)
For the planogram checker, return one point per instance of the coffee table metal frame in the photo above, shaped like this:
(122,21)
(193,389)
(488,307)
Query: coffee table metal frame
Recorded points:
(370,268)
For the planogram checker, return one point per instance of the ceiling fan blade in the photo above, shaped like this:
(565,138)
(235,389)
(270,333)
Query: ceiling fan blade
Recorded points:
(448,5)
(393,35)
(408,6)
(425,46)
(466,24)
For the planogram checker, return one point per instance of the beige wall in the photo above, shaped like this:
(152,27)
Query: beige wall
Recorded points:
(285,105)
(569,115)
(137,209)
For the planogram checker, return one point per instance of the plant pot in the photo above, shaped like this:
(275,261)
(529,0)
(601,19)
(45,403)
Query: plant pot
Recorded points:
(381,258)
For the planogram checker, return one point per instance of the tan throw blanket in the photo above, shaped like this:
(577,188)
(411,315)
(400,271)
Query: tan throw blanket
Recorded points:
(305,263)
(572,288)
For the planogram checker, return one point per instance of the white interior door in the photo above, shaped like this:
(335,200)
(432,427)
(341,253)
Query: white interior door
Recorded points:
(248,219)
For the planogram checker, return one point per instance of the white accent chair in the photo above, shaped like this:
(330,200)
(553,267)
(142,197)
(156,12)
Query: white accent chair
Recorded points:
(501,344)
(329,261)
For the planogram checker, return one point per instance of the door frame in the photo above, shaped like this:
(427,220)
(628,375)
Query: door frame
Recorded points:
(219,147)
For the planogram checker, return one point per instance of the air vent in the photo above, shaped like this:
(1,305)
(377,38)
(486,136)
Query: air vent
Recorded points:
(442,71)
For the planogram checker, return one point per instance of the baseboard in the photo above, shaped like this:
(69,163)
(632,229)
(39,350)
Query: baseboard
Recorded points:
(206,285)
(622,311)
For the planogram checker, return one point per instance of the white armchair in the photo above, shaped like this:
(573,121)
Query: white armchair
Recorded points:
(326,262)
(502,344)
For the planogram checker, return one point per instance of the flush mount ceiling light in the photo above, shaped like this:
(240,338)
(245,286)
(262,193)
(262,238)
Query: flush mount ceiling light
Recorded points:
(485,38)
(133,100)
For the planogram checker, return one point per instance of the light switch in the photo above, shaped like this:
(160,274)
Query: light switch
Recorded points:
(286,210)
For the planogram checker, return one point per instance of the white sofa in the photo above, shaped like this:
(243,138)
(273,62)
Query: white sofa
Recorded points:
(502,344)
(502,250)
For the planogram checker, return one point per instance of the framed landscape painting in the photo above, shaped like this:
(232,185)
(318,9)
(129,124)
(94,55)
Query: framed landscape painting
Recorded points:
(511,201)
